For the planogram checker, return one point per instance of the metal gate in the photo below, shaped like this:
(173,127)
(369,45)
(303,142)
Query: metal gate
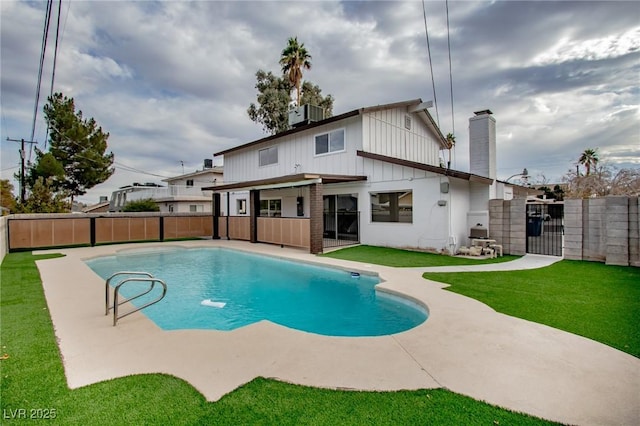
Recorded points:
(545,228)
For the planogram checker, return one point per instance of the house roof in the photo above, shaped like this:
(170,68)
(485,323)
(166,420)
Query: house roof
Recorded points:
(429,168)
(300,179)
(213,170)
(417,105)
(95,207)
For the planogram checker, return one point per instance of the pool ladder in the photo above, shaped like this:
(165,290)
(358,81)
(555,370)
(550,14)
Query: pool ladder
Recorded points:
(138,277)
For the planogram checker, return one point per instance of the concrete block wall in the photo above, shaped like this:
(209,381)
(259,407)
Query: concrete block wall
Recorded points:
(617,231)
(597,229)
(497,223)
(507,225)
(594,234)
(634,231)
(573,227)
(518,226)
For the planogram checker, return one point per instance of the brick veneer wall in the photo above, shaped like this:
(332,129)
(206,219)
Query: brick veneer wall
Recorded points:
(316,212)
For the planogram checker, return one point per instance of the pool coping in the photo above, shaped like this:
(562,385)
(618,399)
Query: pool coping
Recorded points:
(464,346)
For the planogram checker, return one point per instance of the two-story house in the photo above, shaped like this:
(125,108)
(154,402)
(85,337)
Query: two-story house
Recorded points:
(183,194)
(374,175)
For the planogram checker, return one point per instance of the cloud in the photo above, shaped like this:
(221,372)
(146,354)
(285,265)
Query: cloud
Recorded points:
(171,81)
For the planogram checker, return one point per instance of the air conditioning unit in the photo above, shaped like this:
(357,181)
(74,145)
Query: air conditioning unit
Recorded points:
(305,114)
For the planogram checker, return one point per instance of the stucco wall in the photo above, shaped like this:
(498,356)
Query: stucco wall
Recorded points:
(3,237)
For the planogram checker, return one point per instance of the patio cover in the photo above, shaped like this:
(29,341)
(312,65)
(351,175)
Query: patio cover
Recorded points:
(300,179)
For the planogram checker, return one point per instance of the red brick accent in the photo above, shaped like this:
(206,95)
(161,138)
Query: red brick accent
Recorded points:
(316,213)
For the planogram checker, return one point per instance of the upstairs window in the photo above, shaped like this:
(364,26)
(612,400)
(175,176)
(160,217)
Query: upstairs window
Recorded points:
(327,143)
(189,182)
(268,156)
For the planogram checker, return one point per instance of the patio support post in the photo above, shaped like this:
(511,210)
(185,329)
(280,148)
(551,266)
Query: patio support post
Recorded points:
(254,200)
(316,212)
(216,216)
(228,213)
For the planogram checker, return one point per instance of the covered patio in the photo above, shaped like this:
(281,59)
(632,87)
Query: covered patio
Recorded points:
(304,225)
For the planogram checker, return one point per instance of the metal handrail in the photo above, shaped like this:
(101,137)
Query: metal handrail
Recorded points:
(153,282)
(108,281)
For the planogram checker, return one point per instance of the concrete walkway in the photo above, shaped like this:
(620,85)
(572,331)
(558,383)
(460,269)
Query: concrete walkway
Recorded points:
(464,346)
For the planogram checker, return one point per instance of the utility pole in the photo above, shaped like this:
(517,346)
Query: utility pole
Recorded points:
(23,183)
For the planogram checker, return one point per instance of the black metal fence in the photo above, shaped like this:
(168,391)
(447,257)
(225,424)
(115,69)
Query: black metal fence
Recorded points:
(545,228)
(341,228)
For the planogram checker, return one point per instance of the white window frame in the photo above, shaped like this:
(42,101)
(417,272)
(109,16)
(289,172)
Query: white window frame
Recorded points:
(241,205)
(274,147)
(329,151)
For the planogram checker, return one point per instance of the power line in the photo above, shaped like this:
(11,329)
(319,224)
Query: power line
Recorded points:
(433,83)
(55,60)
(133,169)
(43,50)
(453,125)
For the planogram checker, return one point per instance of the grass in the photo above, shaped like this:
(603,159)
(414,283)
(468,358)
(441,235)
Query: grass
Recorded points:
(590,299)
(406,258)
(32,378)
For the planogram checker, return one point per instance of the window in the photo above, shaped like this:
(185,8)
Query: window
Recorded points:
(270,208)
(170,208)
(327,143)
(392,207)
(189,182)
(268,156)
(194,208)
(241,206)
(407,122)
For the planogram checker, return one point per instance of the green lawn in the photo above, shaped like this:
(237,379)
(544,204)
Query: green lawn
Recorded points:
(586,298)
(32,378)
(406,258)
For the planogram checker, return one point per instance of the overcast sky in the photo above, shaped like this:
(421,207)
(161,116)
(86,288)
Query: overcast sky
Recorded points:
(171,81)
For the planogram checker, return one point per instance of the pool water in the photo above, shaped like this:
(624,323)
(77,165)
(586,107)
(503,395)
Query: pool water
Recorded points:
(252,288)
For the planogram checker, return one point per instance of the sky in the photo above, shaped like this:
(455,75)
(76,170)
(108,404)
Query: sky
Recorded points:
(171,81)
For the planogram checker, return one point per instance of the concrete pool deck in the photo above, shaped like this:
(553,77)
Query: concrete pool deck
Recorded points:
(464,346)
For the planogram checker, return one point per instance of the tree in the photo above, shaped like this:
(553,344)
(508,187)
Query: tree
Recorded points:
(273,99)
(602,181)
(47,167)
(78,144)
(7,199)
(145,205)
(451,142)
(293,59)
(42,199)
(589,159)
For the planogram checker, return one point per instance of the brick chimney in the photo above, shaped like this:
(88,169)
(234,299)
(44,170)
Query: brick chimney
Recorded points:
(482,144)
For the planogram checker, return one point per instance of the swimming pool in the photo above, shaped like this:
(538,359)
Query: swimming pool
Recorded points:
(244,288)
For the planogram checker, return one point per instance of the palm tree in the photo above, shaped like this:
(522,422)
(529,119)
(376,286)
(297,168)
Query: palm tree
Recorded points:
(589,158)
(451,142)
(293,59)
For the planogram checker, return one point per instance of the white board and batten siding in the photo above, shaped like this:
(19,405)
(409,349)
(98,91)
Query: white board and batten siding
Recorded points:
(297,149)
(381,132)
(399,134)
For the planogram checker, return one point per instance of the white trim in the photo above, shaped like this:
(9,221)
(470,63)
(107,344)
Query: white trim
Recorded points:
(329,152)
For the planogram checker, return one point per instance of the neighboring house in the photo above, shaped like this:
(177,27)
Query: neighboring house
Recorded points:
(101,207)
(183,194)
(371,175)
(124,194)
